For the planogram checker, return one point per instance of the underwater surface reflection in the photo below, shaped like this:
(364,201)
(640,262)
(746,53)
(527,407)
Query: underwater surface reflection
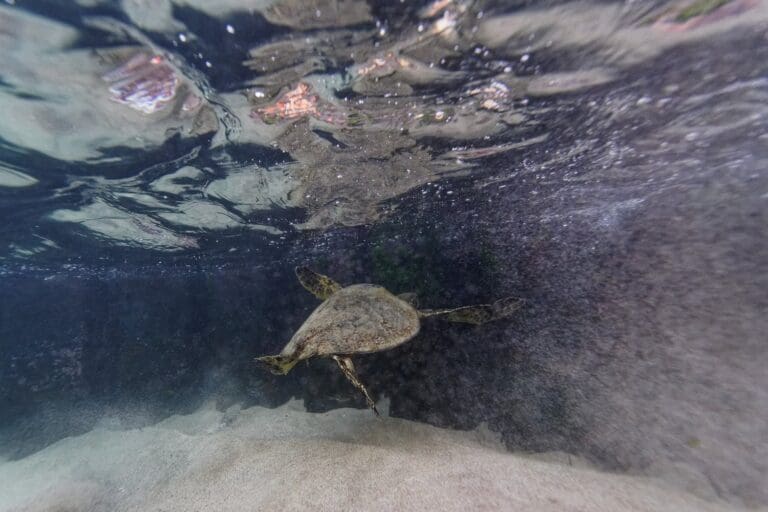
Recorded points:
(167,126)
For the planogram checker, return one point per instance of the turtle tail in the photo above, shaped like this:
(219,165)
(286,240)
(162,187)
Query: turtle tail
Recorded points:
(279,365)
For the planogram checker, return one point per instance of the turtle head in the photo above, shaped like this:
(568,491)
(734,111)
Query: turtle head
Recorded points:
(279,365)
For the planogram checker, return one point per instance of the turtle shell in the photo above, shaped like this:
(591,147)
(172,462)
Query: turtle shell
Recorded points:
(357,319)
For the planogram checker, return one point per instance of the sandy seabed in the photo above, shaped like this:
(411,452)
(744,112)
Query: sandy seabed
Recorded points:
(288,459)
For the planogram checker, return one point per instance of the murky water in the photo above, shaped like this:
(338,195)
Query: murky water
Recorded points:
(165,164)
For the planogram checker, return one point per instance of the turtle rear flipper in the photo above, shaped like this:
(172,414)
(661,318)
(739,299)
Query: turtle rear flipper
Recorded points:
(279,365)
(348,368)
(478,314)
(318,285)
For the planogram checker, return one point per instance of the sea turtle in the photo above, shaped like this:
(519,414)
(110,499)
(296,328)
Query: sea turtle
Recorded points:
(364,318)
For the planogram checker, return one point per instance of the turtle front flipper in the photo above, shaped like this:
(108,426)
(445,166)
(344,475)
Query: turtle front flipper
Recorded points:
(478,314)
(318,285)
(348,368)
(279,365)
(410,297)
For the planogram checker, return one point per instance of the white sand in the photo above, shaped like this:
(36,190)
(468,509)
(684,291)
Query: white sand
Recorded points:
(287,459)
